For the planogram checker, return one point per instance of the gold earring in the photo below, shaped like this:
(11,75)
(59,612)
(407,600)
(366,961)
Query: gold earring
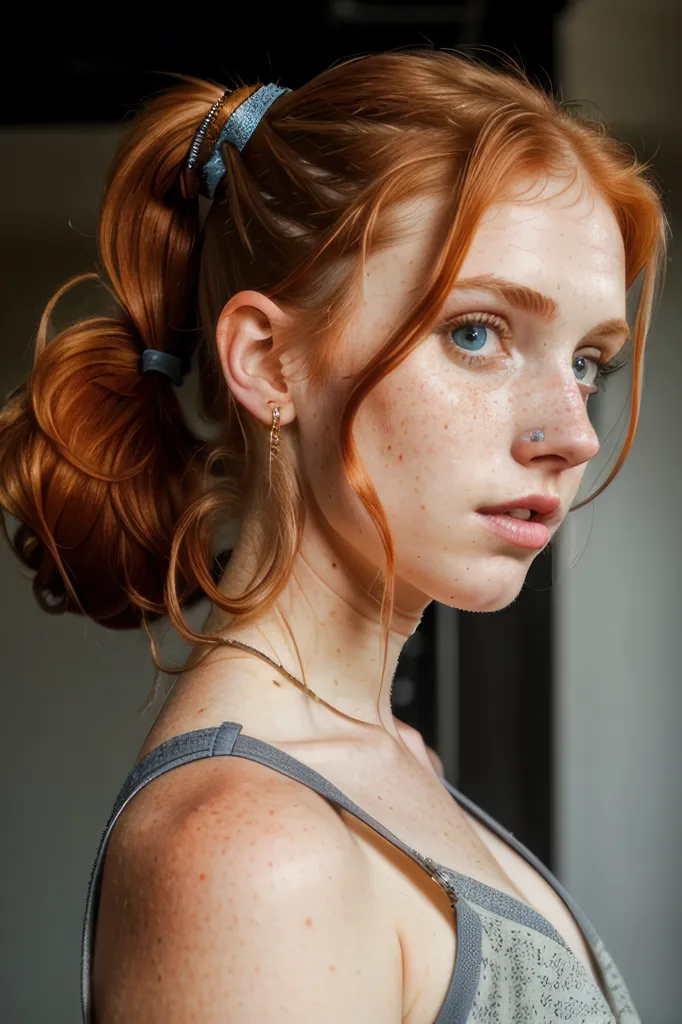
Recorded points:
(274,429)
(274,442)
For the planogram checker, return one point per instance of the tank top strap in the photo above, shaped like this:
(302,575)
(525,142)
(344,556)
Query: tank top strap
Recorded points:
(218,741)
(227,739)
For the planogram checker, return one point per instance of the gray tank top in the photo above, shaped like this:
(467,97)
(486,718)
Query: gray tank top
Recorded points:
(511,965)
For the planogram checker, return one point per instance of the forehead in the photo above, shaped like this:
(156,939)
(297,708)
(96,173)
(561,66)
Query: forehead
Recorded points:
(561,241)
(556,239)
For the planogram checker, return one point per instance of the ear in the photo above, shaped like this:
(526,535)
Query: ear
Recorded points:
(249,334)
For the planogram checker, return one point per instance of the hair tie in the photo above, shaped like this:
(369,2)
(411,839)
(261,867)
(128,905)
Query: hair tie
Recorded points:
(154,361)
(238,129)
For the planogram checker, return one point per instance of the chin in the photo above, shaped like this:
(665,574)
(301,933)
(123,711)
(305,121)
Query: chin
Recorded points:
(484,586)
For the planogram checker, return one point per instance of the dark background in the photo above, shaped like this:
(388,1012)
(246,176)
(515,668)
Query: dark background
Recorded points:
(80,75)
(77,72)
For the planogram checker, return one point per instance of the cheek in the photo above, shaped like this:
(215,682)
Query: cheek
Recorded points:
(428,439)
(403,431)
(419,433)
(318,451)
(399,422)
(427,407)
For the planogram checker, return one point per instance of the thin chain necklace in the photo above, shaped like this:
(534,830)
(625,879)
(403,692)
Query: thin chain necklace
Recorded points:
(229,642)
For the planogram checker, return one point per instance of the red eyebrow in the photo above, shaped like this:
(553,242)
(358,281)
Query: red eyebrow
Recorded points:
(531,301)
(616,326)
(518,295)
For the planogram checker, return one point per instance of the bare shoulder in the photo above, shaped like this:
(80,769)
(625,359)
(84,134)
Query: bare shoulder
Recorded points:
(240,895)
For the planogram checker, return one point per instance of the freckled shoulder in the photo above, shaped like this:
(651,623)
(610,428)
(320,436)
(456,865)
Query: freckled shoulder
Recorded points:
(241,874)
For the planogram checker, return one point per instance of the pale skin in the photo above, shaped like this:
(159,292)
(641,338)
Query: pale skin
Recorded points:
(439,439)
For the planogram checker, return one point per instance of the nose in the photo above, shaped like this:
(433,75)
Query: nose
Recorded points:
(569,436)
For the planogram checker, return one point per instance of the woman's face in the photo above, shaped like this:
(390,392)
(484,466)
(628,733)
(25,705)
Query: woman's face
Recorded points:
(447,432)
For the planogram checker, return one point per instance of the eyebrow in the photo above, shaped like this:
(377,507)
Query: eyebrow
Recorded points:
(531,301)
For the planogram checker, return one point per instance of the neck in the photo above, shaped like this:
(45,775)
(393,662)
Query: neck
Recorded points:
(325,627)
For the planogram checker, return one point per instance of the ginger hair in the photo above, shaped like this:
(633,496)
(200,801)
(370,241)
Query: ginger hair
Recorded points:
(117,499)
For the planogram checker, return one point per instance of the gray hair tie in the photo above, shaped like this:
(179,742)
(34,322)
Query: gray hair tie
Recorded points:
(154,361)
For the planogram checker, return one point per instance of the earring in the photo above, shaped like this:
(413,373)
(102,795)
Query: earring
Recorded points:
(274,429)
(274,442)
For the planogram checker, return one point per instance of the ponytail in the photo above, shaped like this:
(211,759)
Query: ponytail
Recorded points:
(96,460)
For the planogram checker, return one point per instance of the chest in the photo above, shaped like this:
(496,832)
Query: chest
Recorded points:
(433,823)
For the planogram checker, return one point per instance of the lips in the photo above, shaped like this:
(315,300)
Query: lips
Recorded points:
(542,504)
(516,532)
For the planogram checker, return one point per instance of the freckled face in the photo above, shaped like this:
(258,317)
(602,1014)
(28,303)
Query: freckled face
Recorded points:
(446,432)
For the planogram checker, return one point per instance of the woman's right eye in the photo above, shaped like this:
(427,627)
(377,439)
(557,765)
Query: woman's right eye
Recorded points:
(477,336)
(471,336)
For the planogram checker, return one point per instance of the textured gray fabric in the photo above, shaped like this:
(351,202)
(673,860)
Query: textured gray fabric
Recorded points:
(499,902)
(511,965)
(619,997)
(526,977)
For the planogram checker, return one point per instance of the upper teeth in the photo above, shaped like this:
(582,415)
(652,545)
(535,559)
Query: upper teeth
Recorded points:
(519,513)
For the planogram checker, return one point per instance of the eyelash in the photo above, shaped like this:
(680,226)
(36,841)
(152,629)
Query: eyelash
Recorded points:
(603,369)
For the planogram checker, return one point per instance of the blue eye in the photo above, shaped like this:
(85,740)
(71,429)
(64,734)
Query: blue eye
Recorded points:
(472,337)
(584,368)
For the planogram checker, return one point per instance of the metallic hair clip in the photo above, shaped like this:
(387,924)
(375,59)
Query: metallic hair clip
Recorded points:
(203,128)
(238,129)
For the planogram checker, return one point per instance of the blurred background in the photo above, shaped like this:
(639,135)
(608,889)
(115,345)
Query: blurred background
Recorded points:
(561,715)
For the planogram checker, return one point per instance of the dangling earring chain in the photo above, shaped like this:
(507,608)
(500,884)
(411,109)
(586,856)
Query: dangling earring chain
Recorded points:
(274,441)
(274,429)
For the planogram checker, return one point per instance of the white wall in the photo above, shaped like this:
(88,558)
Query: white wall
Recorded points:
(619,660)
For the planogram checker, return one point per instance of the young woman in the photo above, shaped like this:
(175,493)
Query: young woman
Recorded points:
(402,285)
